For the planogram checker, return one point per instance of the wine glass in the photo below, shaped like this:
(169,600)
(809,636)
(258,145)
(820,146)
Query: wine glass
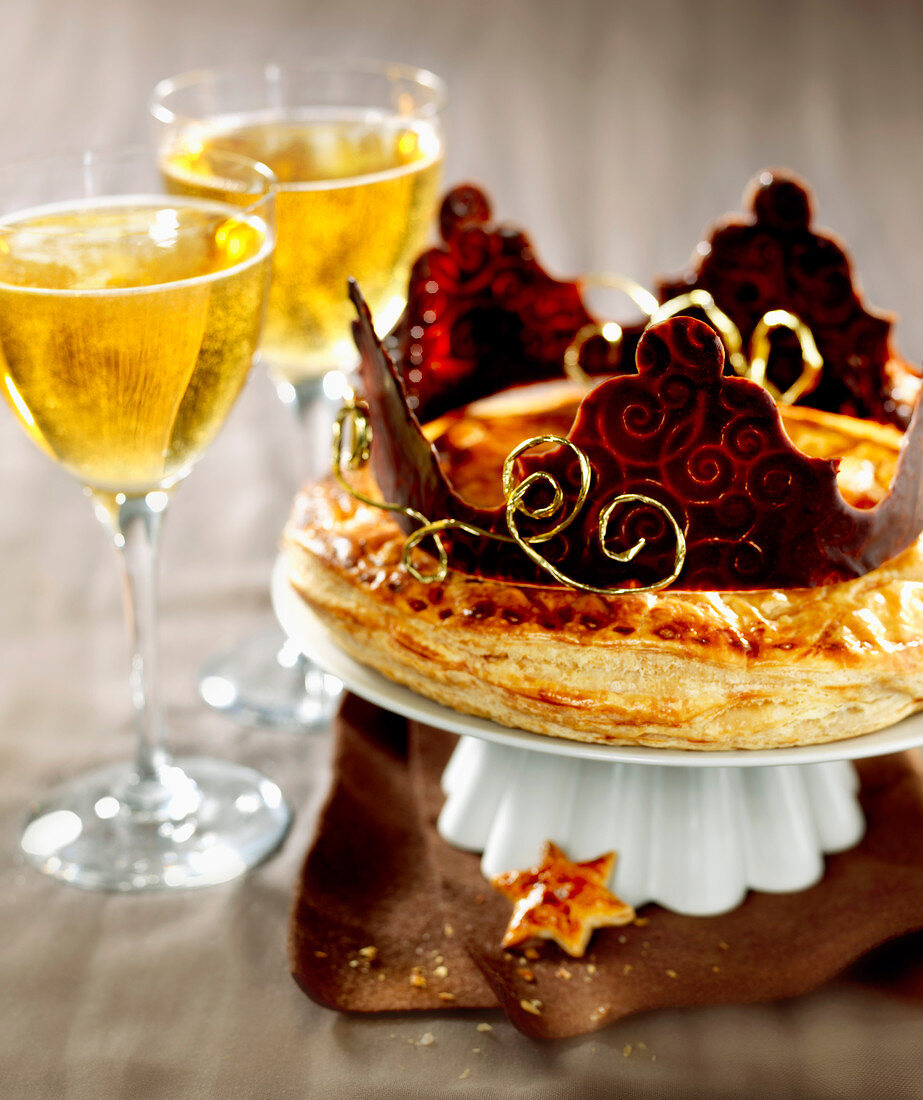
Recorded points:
(128,323)
(357,149)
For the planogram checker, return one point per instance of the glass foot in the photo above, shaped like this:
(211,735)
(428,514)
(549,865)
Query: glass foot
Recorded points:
(267,681)
(205,822)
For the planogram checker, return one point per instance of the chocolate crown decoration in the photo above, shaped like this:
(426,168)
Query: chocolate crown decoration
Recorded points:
(771,258)
(674,472)
(483,315)
(678,473)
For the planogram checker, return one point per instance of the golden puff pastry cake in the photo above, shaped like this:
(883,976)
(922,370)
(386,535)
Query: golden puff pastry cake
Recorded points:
(671,555)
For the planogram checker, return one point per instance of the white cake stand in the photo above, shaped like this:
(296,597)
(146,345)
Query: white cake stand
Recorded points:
(694,830)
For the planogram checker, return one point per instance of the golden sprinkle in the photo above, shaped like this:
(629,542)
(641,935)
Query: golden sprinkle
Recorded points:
(448,931)
(525,973)
(418,981)
(671,974)
(426,1039)
(724,946)
(534,1007)
(464,1073)
(591,968)
(446,996)
(626,1050)
(642,922)
(532,953)
(441,972)
(627,968)
(563,972)
(484,1027)
(320,954)
(369,953)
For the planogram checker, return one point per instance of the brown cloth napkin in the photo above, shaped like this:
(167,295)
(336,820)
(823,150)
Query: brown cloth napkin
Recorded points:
(387,916)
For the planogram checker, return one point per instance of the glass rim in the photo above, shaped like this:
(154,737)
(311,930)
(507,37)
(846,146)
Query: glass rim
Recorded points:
(10,223)
(425,78)
(112,155)
(70,293)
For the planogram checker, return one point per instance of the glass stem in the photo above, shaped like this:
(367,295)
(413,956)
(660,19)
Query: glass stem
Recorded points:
(314,414)
(134,524)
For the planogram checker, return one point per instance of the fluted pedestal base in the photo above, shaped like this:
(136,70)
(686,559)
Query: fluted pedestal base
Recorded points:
(692,839)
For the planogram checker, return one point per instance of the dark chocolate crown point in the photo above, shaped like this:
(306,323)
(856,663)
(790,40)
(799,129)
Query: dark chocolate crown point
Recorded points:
(463,207)
(773,258)
(697,343)
(780,201)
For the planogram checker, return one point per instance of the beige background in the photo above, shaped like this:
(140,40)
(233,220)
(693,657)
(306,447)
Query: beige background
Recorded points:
(613,132)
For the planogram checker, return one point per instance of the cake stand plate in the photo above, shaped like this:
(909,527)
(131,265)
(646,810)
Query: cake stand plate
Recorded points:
(694,830)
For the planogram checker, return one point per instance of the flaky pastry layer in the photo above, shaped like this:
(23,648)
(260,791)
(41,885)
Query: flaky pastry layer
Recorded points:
(693,670)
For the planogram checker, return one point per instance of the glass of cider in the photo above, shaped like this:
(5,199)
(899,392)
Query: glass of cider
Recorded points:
(129,319)
(357,149)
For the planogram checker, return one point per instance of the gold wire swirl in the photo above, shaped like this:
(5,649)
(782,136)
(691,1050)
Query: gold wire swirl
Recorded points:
(632,552)
(516,494)
(641,296)
(610,331)
(752,366)
(515,502)
(433,530)
(360,435)
(355,416)
(701,299)
(810,356)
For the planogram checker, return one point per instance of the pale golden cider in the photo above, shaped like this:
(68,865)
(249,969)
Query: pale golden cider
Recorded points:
(357,198)
(127,327)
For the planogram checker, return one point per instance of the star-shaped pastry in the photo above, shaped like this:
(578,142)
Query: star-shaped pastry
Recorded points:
(561,900)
